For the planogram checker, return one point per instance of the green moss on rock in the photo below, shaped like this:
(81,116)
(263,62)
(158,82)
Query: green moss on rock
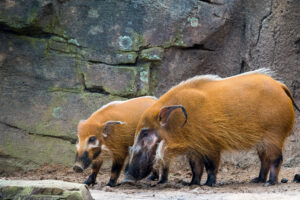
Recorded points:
(152,54)
(126,57)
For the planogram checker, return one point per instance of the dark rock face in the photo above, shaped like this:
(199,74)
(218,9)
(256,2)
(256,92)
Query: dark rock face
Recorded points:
(62,60)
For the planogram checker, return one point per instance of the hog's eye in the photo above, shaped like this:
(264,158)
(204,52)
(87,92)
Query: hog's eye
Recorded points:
(92,139)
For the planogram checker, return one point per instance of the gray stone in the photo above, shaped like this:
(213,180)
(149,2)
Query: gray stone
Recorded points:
(126,58)
(22,151)
(50,113)
(121,81)
(27,64)
(152,54)
(45,189)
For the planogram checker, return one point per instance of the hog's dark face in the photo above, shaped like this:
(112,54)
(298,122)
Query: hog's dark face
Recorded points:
(142,155)
(88,146)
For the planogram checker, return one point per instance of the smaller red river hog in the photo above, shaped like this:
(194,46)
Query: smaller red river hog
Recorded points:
(207,115)
(112,129)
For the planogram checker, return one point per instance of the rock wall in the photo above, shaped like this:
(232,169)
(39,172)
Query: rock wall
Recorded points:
(60,60)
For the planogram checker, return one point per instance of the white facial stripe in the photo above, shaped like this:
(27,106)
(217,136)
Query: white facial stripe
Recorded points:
(91,146)
(159,156)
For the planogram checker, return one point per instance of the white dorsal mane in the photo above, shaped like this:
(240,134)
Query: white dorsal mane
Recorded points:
(119,102)
(212,77)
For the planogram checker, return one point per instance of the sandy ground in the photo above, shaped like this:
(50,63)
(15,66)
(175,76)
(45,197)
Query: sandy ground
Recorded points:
(232,183)
(179,195)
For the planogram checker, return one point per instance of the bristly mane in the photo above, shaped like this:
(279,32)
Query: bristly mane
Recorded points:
(118,102)
(208,77)
(265,71)
(212,77)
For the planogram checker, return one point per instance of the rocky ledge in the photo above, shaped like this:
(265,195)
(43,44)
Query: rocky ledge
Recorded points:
(45,189)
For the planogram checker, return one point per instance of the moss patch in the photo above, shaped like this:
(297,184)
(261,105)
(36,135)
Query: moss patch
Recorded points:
(152,54)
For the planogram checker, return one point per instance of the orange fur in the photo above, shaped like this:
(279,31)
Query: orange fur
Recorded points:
(236,113)
(121,136)
(231,114)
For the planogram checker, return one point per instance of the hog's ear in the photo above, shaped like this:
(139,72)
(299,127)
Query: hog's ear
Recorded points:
(108,127)
(166,111)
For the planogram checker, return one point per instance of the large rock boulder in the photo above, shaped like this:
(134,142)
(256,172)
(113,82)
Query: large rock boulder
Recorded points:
(46,189)
(61,60)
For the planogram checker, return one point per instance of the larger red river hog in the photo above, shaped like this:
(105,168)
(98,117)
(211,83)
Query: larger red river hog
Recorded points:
(207,115)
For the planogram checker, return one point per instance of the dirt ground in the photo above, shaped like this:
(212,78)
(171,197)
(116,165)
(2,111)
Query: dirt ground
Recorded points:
(232,180)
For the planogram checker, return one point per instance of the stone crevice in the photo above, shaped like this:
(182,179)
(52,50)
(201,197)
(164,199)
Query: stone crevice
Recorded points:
(242,69)
(297,43)
(211,2)
(97,89)
(28,31)
(69,139)
(6,156)
(196,47)
(113,65)
(261,23)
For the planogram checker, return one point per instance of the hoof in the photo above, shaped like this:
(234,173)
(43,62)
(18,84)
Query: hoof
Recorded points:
(91,180)
(162,181)
(210,184)
(128,179)
(111,184)
(269,183)
(297,178)
(88,182)
(193,183)
(257,180)
(152,178)
(284,180)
